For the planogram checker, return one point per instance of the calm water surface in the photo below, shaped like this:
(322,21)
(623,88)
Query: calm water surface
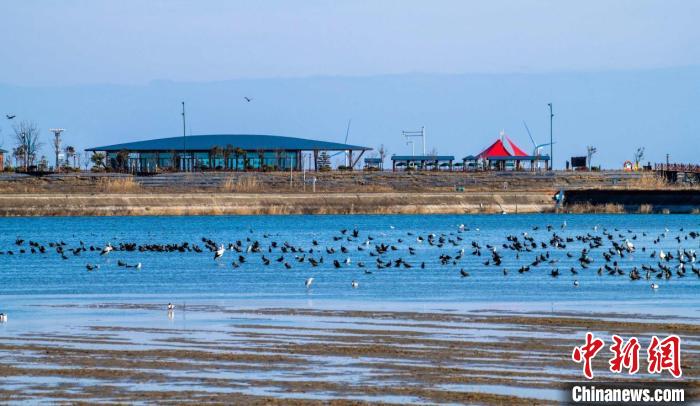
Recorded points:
(52,300)
(195,277)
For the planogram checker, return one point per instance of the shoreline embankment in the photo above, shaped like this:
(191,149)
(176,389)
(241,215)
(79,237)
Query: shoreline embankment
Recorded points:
(187,204)
(172,194)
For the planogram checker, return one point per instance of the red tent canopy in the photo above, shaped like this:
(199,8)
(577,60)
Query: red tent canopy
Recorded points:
(516,151)
(495,149)
(498,149)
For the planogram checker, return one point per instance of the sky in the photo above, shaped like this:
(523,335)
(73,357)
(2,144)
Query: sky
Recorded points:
(51,42)
(129,47)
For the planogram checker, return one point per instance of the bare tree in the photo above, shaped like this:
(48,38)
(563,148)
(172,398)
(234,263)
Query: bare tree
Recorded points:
(638,156)
(590,150)
(383,152)
(27,141)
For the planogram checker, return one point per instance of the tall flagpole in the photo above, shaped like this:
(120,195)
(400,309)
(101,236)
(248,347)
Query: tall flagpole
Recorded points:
(551,139)
(184,140)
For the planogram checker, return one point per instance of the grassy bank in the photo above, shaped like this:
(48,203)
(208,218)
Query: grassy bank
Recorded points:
(334,182)
(139,204)
(104,194)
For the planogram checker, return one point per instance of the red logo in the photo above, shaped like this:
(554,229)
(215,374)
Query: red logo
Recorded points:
(625,356)
(586,353)
(665,355)
(662,355)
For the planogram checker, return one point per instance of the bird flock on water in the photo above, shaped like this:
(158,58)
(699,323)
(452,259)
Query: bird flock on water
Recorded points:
(599,250)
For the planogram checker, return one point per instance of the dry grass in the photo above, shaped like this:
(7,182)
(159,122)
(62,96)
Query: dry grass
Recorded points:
(580,208)
(119,185)
(242,184)
(645,209)
(648,181)
(375,188)
(16,187)
(351,182)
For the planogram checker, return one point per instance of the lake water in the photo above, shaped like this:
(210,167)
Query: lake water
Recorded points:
(178,276)
(58,303)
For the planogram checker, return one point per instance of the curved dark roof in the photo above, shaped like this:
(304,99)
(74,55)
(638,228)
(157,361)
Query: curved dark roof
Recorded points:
(249,142)
(2,151)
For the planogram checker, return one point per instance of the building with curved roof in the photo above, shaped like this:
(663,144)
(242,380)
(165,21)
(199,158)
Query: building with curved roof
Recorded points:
(222,152)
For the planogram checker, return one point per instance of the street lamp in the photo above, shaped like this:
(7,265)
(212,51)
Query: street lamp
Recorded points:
(551,139)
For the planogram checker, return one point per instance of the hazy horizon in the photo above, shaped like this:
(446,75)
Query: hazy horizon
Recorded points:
(134,42)
(621,75)
(614,111)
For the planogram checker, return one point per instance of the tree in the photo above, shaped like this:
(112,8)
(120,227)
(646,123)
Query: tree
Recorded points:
(122,159)
(174,160)
(240,152)
(214,153)
(324,161)
(98,159)
(383,152)
(590,151)
(27,141)
(18,154)
(228,151)
(638,156)
(261,159)
(70,153)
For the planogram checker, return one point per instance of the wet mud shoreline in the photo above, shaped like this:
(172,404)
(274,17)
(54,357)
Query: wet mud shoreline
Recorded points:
(312,356)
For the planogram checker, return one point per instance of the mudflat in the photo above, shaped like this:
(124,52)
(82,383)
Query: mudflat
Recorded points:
(311,356)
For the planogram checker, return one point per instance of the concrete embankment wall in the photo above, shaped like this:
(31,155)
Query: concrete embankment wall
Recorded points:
(270,203)
(337,182)
(645,201)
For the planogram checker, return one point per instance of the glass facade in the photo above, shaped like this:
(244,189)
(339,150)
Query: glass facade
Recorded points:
(199,160)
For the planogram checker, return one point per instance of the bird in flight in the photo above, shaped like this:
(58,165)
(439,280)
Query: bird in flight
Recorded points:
(248,99)
(10,116)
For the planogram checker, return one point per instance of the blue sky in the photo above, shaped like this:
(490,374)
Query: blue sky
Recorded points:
(63,42)
(621,74)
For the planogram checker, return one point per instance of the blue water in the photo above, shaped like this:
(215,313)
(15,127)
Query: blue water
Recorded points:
(196,275)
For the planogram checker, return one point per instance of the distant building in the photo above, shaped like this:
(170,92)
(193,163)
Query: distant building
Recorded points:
(422,162)
(374,163)
(236,152)
(2,159)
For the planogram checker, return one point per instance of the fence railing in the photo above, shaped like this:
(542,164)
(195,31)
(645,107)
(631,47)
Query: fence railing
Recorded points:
(677,167)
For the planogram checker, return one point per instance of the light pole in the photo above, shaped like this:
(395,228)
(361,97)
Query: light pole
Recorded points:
(184,143)
(551,138)
(419,133)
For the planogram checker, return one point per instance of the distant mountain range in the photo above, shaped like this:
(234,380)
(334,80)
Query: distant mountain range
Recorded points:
(614,111)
